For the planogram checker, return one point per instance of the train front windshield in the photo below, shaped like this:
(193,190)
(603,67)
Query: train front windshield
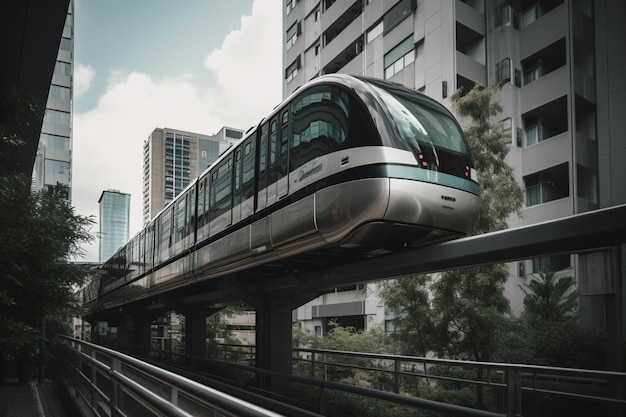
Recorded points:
(421,125)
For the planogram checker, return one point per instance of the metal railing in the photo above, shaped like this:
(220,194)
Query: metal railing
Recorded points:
(505,383)
(504,389)
(111,383)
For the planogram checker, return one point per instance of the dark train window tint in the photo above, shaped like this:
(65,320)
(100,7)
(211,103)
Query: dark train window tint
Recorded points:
(273,139)
(166,225)
(320,124)
(179,227)
(201,206)
(248,170)
(221,189)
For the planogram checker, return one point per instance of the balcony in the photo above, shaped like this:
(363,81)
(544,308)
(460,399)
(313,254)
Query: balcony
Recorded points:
(546,30)
(470,69)
(545,89)
(549,152)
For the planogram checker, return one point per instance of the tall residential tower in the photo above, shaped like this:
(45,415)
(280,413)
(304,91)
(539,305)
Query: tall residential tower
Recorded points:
(173,158)
(561,65)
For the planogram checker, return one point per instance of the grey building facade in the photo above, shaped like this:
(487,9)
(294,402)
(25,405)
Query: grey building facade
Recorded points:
(53,160)
(173,158)
(562,70)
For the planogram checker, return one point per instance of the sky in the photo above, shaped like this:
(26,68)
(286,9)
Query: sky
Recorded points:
(194,65)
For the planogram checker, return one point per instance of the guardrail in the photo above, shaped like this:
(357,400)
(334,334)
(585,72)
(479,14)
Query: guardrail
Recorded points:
(114,384)
(506,389)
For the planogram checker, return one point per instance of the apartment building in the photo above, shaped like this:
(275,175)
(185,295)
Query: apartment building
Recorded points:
(562,68)
(173,158)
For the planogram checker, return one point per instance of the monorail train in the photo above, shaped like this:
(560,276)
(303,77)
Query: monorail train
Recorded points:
(346,165)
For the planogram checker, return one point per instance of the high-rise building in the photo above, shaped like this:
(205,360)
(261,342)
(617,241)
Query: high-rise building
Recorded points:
(561,65)
(114,222)
(173,158)
(54,154)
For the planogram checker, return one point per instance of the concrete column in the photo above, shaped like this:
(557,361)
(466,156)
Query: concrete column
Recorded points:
(195,331)
(274,339)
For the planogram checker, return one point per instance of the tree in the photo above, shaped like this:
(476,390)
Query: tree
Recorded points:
(40,235)
(414,325)
(468,311)
(550,299)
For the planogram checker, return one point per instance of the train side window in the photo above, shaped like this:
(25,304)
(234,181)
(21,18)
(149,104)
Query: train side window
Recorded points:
(221,189)
(273,145)
(166,227)
(191,212)
(201,206)
(284,144)
(238,173)
(248,169)
(179,220)
(263,142)
(320,124)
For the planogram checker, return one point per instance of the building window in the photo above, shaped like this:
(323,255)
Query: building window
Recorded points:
(528,16)
(292,34)
(55,141)
(66,44)
(399,57)
(374,32)
(58,92)
(505,15)
(544,264)
(549,185)
(398,13)
(292,70)
(503,71)
(291,4)
(57,117)
(63,68)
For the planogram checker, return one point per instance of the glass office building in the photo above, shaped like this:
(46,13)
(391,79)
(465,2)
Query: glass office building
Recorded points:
(54,154)
(114,222)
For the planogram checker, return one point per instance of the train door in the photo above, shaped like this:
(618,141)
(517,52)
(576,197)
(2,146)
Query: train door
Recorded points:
(221,196)
(262,171)
(282,182)
(247,177)
(272,163)
(237,185)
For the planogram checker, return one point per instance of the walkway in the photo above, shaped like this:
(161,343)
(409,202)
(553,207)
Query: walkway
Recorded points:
(30,400)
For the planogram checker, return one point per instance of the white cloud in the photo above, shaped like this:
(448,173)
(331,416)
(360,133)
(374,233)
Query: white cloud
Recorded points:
(248,66)
(108,140)
(83,77)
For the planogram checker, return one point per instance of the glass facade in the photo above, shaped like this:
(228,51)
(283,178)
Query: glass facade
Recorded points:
(174,158)
(53,163)
(114,222)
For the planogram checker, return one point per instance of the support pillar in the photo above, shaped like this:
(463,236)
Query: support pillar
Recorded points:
(195,331)
(274,340)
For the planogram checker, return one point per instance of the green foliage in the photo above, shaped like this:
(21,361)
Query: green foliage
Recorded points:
(500,194)
(551,299)
(471,312)
(466,313)
(40,234)
(409,297)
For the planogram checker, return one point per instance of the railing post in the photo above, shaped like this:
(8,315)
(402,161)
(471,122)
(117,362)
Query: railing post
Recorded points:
(114,401)
(94,375)
(312,365)
(514,393)
(396,376)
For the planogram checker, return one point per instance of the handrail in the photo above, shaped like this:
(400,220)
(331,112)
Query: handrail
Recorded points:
(119,373)
(509,379)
